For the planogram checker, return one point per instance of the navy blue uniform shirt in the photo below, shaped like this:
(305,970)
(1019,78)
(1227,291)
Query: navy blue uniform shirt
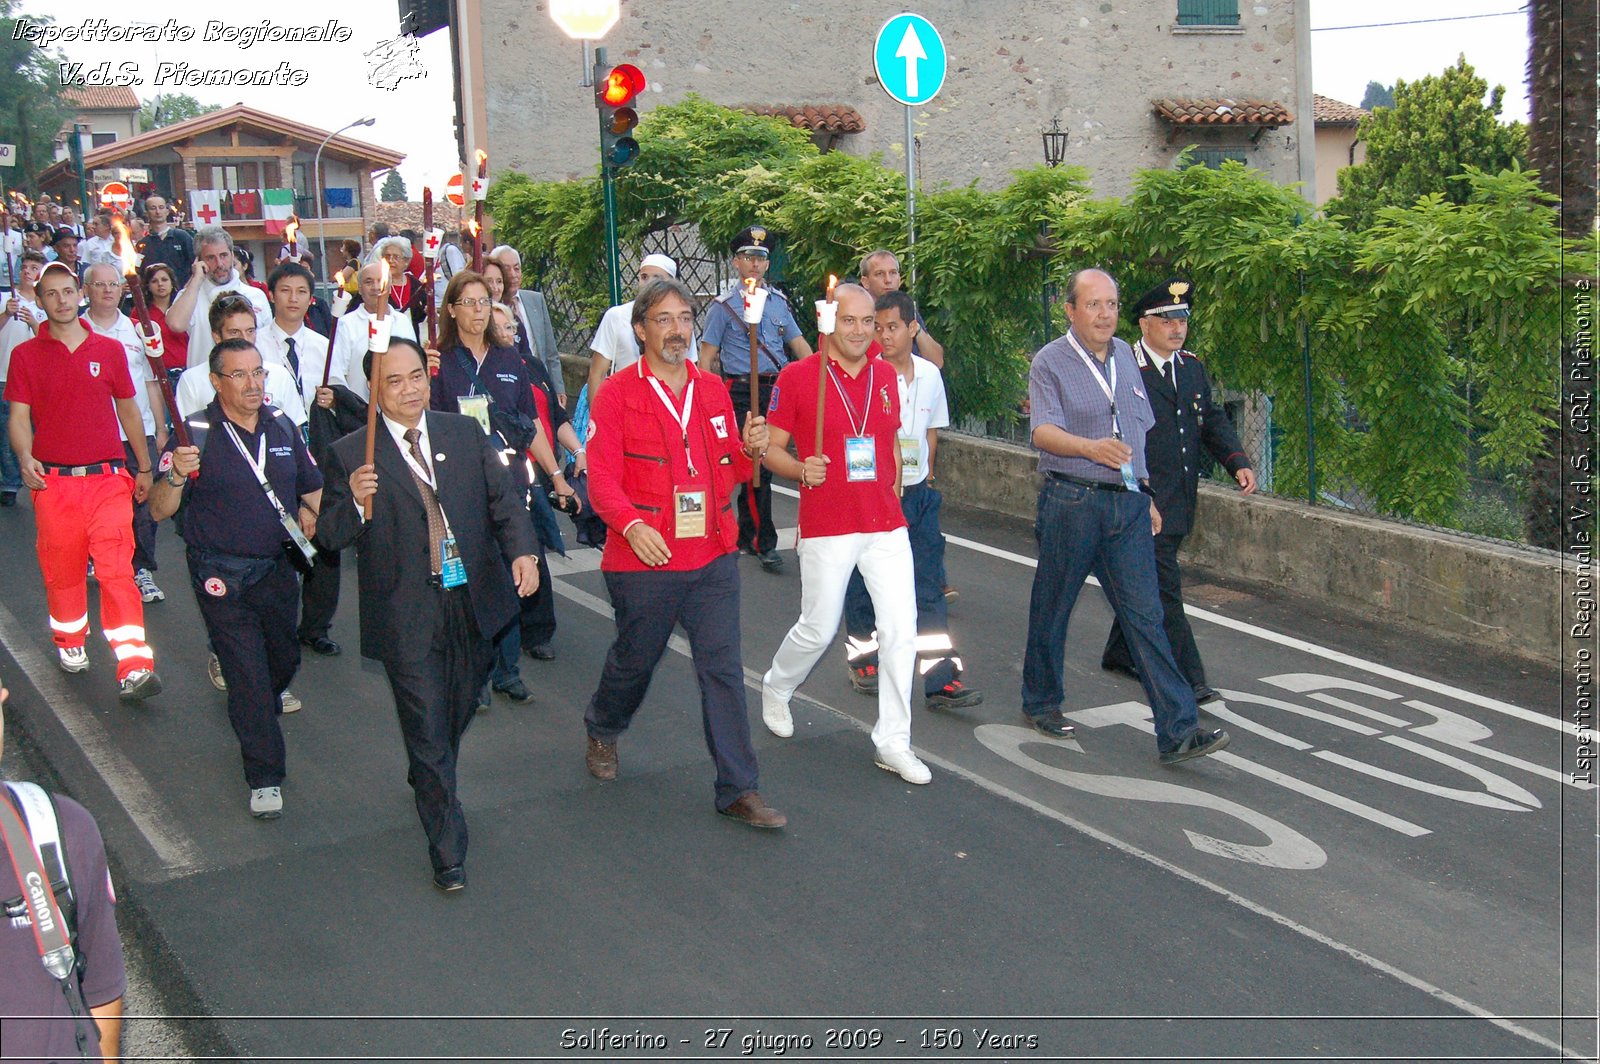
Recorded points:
(225,509)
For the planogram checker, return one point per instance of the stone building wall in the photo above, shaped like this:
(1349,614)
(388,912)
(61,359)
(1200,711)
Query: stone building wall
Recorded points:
(1014,65)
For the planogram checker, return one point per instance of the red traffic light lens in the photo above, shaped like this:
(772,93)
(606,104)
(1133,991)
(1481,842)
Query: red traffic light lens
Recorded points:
(622,85)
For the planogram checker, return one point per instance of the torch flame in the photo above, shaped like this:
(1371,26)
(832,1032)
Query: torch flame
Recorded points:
(749,285)
(290,230)
(130,257)
(482,157)
(383,308)
(472,223)
(832,283)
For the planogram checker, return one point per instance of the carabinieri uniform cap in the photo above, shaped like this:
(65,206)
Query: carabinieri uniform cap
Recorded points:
(1169,299)
(752,241)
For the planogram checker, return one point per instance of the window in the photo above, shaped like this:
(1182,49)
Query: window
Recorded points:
(102,139)
(1213,158)
(1208,12)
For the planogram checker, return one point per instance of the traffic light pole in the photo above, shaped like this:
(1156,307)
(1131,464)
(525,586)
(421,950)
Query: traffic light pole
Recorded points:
(609,187)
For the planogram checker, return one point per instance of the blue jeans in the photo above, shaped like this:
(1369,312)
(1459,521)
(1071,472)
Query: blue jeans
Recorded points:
(10,471)
(1082,530)
(921,505)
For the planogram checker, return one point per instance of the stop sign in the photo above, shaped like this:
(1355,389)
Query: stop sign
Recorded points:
(452,191)
(114,195)
(585,20)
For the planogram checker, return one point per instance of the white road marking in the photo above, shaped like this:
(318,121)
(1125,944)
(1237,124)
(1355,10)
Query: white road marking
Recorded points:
(1461,695)
(178,853)
(753,681)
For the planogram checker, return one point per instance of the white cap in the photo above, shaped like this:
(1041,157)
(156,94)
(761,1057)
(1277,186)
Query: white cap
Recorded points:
(661,262)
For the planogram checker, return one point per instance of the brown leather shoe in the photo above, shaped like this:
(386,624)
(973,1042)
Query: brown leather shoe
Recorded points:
(601,759)
(754,811)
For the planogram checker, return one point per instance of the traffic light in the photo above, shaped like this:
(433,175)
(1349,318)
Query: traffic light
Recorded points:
(615,90)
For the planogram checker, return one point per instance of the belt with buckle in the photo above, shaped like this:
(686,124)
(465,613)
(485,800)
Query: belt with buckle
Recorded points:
(98,469)
(1085,482)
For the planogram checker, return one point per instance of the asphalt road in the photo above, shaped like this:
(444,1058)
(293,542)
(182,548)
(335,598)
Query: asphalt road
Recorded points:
(1392,862)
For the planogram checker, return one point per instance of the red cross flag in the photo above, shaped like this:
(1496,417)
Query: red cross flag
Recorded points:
(207,203)
(452,191)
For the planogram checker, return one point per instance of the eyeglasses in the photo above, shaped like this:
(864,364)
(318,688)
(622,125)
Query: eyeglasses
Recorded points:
(239,376)
(1094,306)
(483,302)
(666,321)
(108,285)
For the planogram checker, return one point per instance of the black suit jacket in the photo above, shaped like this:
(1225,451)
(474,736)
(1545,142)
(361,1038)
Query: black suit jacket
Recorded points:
(486,513)
(1187,422)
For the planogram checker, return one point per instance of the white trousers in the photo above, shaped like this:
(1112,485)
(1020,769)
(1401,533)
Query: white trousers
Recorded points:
(884,559)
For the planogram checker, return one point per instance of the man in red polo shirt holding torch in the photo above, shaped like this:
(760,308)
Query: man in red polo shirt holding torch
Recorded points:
(850,518)
(68,389)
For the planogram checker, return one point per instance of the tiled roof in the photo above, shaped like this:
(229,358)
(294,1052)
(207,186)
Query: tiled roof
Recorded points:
(1326,111)
(100,98)
(819,118)
(1217,111)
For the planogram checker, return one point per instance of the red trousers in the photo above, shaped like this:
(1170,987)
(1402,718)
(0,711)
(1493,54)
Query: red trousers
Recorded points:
(79,518)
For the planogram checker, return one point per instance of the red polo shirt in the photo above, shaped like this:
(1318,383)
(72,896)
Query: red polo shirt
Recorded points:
(72,394)
(839,505)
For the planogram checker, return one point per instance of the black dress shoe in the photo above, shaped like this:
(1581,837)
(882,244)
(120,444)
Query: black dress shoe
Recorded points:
(323,645)
(451,879)
(541,652)
(771,561)
(1053,724)
(1118,667)
(1204,694)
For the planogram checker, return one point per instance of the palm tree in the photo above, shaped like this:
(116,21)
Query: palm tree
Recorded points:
(1561,145)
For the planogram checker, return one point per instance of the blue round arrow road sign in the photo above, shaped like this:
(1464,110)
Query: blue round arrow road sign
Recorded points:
(910,59)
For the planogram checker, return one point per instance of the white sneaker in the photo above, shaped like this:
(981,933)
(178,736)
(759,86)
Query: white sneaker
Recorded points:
(906,764)
(146,583)
(291,704)
(139,684)
(214,670)
(775,713)
(74,659)
(266,803)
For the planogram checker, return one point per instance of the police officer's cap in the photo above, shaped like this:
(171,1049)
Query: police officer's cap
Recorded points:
(39,227)
(1169,299)
(752,241)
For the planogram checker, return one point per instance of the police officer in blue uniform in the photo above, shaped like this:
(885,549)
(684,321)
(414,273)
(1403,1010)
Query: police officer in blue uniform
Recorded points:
(246,516)
(725,350)
(1188,422)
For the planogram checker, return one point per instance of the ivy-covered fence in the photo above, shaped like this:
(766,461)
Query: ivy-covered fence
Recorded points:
(1409,368)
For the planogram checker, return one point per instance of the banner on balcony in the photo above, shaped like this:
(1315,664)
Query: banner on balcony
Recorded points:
(205,206)
(277,205)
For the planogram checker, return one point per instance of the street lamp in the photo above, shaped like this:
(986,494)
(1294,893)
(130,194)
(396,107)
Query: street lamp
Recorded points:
(316,190)
(1055,143)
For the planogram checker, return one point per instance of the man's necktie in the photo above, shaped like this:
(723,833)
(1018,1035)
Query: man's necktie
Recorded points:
(430,502)
(1171,376)
(294,359)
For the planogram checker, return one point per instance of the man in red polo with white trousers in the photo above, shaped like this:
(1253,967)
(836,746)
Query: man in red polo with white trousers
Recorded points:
(68,389)
(850,518)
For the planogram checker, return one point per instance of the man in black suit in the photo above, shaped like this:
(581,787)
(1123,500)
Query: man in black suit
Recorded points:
(1187,421)
(435,591)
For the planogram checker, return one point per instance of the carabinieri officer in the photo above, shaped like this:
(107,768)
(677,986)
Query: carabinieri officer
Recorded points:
(725,350)
(247,518)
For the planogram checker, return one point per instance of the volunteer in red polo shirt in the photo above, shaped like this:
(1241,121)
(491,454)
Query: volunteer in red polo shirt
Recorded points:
(665,461)
(850,518)
(68,389)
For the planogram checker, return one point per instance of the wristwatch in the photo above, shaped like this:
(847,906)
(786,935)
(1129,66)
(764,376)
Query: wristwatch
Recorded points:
(175,479)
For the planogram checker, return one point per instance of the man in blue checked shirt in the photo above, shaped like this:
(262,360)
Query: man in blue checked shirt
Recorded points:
(1089,418)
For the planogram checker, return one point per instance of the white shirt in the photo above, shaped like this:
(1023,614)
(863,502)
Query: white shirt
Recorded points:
(97,250)
(200,321)
(310,351)
(350,345)
(194,392)
(124,333)
(922,407)
(25,326)
(616,340)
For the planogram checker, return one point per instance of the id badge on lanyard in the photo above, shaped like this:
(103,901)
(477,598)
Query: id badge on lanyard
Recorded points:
(860,450)
(477,408)
(689,513)
(1126,469)
(452,570)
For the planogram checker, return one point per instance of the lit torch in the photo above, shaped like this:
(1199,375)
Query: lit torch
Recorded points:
(826,309)
(148,333)
(430,257)
(479,189)
(377,343)
(755,301)
(292,230)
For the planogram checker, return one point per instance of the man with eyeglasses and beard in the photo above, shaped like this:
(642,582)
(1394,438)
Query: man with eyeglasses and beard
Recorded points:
(666,458)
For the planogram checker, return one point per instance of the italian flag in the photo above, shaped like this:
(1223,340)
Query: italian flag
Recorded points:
(277,204)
